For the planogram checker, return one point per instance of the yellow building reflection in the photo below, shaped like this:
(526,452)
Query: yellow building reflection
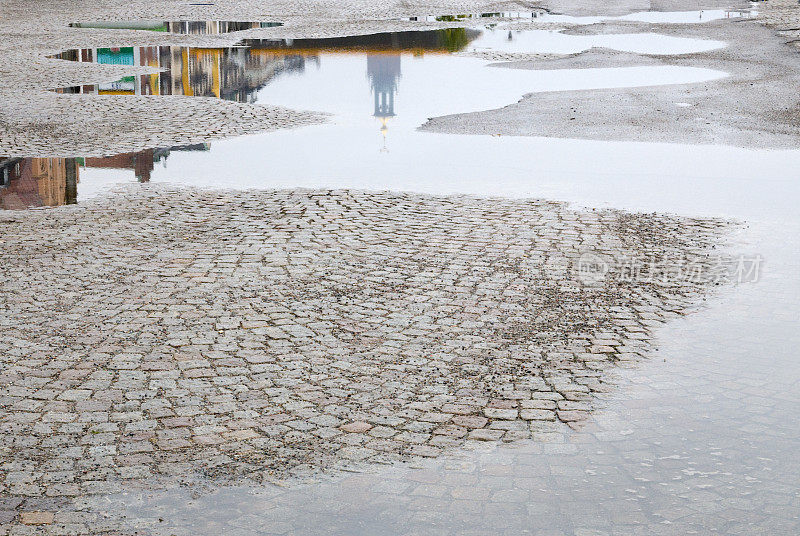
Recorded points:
(238,73)
(231,74)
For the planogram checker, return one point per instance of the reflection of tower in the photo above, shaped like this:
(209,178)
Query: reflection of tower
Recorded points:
(384,73)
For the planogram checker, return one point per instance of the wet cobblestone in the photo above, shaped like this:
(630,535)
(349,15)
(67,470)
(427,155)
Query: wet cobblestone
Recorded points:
(698,441)
(160,333)
(173,333)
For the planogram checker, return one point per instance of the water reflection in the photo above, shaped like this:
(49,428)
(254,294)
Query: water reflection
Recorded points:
(50,182)
(38,182)
(231,74)
(433,41)
(237,73)
(396,80)
(142,163)
(384,74)
(197,27)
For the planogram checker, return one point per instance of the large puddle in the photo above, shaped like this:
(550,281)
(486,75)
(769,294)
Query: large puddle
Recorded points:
(237,73)
(701,441)
(379,89)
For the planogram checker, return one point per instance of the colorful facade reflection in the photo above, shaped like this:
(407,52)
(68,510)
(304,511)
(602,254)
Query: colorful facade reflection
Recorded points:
(237,73)
(232,74)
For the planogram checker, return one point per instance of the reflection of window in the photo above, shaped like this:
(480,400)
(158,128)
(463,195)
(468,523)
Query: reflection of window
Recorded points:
(5,174)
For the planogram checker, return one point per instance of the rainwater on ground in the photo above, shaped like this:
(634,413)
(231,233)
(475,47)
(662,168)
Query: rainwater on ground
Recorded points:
(701,439)
(698,440)
(378,89)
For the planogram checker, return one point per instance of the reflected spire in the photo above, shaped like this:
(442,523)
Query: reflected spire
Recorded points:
(384,74)
(384,132)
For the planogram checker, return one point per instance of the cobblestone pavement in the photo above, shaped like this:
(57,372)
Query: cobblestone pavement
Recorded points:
(166,335)
(160,332)
(702,440)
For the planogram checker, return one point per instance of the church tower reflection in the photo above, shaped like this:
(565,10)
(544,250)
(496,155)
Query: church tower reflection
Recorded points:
(384,74)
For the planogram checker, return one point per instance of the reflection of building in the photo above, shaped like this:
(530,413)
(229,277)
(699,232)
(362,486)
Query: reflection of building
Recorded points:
(231,74)
(432,41)
(384,72)
(38,182)
(143,162)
